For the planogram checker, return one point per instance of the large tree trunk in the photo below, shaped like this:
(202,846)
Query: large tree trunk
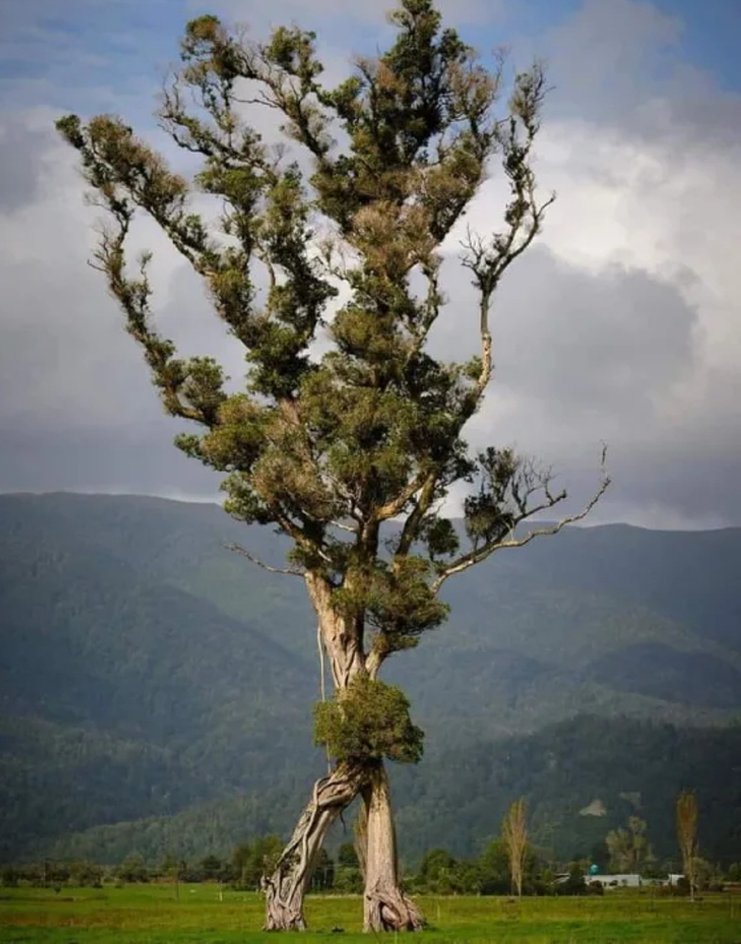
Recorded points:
(286,886)
(386,907)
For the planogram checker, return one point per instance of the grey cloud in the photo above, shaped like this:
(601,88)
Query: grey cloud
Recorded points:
(609,341)
(597,58)
(581,355)
(616,338)
(65,359)
(616,63)
(361,11)
(138,460)
(584,357)
(21,156)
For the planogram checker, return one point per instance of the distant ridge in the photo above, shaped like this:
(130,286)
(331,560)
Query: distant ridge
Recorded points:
(145,672)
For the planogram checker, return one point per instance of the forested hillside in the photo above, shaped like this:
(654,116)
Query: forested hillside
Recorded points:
(148,674)
(630,767)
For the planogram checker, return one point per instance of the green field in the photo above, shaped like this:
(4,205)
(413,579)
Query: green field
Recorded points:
(153,915)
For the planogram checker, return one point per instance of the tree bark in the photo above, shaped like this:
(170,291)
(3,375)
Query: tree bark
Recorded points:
(385,907)
(285,888)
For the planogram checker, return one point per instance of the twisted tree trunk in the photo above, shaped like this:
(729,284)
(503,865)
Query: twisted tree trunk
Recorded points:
(285,888)
(385,907)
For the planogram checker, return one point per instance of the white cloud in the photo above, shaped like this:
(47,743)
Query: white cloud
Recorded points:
(634,335)
(360,11)
(622,324)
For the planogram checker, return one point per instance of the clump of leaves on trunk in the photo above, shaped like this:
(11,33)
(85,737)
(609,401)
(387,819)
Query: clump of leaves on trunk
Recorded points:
(368,721)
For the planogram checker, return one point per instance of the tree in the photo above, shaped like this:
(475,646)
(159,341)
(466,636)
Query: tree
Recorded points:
(349,448)
(514,834)
(251,861)
(324,872)
(494,866)
(212,868)
(686,817)
(174,869)
(437,872)
(133,869)
(348,875)
(629,848)
(347,857)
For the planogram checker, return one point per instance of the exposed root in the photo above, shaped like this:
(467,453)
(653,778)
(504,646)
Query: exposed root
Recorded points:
(389,909)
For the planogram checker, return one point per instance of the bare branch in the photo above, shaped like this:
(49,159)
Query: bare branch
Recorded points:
(480,554)
(341,526)
(243,552)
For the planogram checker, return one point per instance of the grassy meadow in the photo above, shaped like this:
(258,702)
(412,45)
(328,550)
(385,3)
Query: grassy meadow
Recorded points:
(153,914)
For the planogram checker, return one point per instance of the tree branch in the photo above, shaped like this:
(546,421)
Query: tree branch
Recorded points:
(477,555)
(243,552)
(396,505)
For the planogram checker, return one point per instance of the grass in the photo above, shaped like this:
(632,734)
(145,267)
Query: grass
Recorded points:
(144,914)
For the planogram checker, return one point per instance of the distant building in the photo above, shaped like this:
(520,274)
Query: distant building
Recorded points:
(622,880)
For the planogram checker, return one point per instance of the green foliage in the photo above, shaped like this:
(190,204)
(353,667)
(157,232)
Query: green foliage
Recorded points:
(133,869)
(252,860)
(494,871)
(370,430)
(441,874)
(347,856)
(368,721)
(629,848)
(574,884)
(323,876)
(396,601)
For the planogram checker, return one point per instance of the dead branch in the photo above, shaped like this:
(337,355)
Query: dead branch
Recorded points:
(243,552)
(477,555)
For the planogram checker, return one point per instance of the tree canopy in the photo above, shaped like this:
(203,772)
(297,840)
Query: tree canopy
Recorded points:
(330,446)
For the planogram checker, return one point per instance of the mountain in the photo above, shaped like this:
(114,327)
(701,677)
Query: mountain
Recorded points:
(148,675)
(581,777)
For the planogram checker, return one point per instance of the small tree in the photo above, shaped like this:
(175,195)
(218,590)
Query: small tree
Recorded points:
(211,867)
(514,834)
(351,447)
(133,869)
(629,848)
(251,860)
(686,818)
(324,872)
(494,867)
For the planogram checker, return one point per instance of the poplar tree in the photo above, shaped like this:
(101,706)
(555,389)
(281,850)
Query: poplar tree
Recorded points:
(350,447)
(686,818)
(514,835)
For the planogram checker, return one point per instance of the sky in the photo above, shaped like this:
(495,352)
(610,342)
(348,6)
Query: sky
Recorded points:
(621,324)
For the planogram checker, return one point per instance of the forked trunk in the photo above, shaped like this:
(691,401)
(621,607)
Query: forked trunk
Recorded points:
(386,907)
(285,888)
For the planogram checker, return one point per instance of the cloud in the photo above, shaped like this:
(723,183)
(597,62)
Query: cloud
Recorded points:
(21,150)
(462,12)
(620,324)
(623,323)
